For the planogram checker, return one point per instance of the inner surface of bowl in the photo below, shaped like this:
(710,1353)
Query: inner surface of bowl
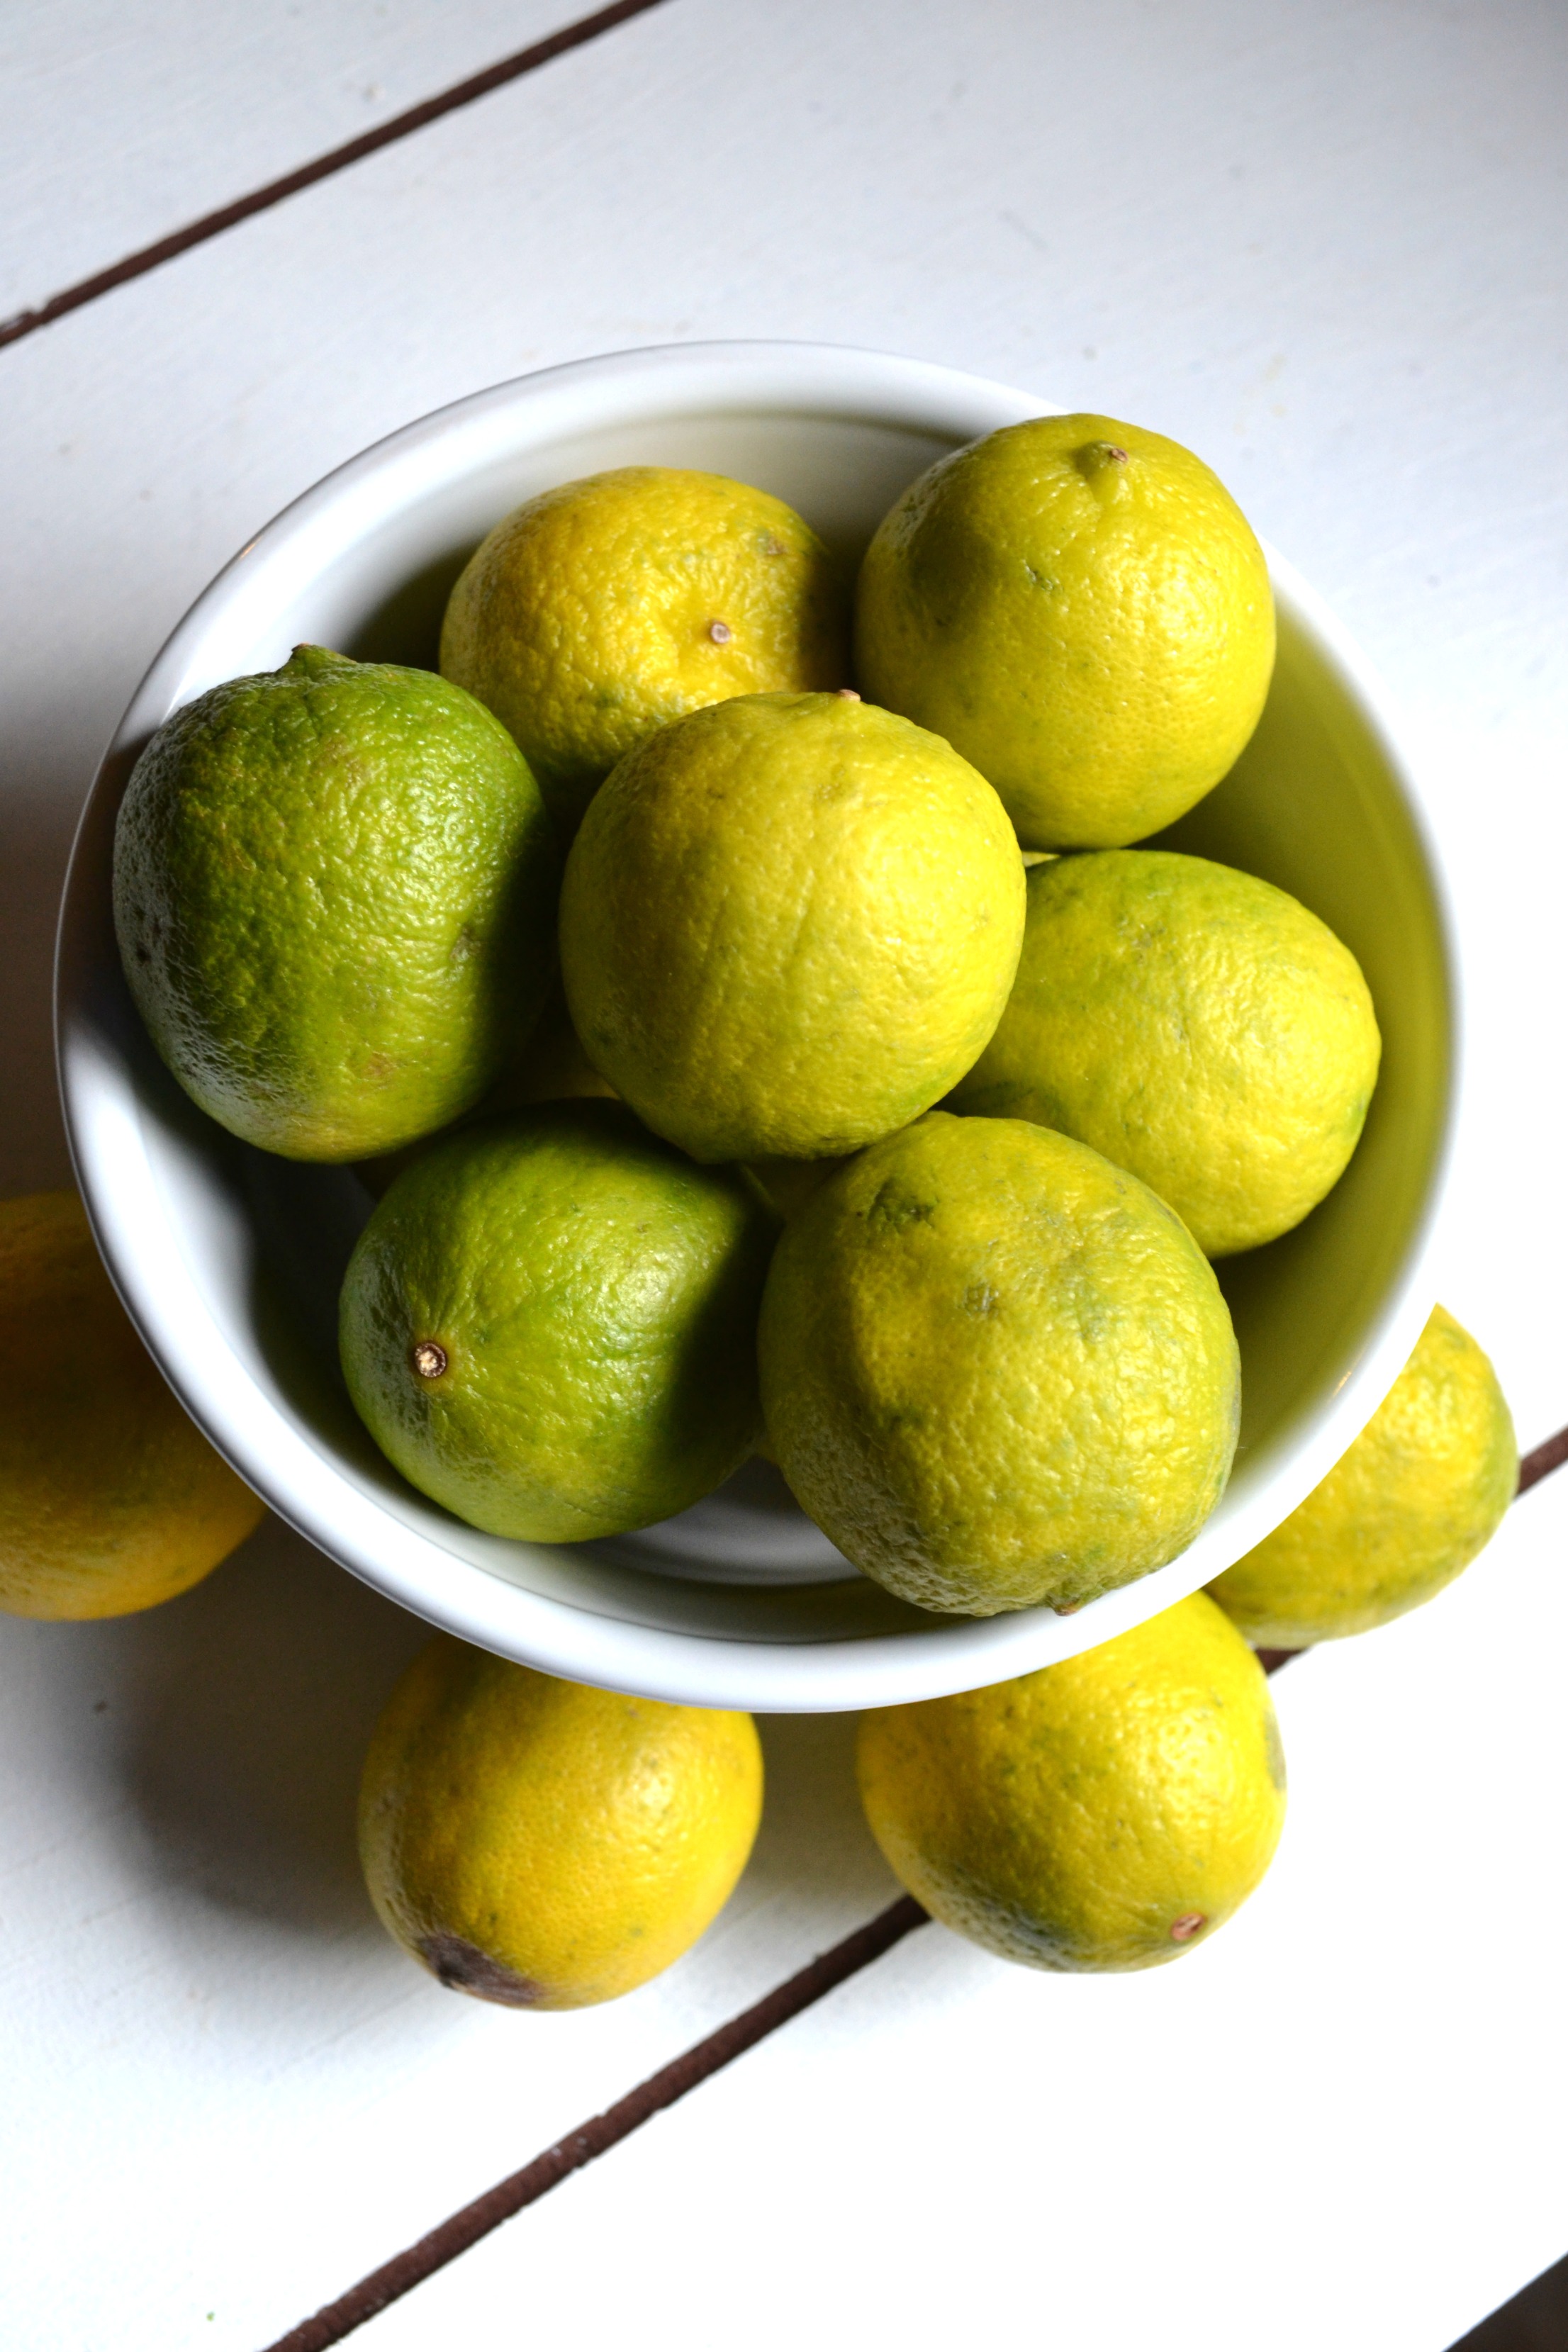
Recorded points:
(230,1260)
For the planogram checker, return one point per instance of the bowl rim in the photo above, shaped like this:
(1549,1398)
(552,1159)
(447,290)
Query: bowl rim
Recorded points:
(275,1455)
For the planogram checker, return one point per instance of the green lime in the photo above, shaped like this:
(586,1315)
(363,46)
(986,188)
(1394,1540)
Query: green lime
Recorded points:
(996,1371)
(334,891)
(549,1324)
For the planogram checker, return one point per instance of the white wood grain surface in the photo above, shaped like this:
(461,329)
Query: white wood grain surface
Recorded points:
(1323,246)
(126,119)
(256,2096)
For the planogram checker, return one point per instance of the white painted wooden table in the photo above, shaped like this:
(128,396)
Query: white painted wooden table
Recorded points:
(1323,245)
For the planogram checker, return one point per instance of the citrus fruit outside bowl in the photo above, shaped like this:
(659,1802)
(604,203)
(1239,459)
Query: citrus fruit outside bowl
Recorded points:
(230,1260)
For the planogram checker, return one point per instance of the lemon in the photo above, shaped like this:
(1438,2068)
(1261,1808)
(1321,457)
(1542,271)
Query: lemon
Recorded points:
(996,1369)
(539,1844)
(1197,1025)
(602,608)
(549,1324)
(334,891)
(1106,1813)
(110,1498)
(1081,608)
(789,924)
(1414,1500)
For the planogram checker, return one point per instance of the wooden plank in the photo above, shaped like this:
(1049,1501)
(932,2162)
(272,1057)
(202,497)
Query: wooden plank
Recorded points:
(598,2135)
(124,122)
(1282,217)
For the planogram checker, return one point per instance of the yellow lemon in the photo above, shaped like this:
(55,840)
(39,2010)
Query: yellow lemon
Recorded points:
(110,1498)
(1106,1813)
(789,924)
(599,609)
(1197,1025)
(1414,1500)
(1081,608)
(543,1844)
(996,1369)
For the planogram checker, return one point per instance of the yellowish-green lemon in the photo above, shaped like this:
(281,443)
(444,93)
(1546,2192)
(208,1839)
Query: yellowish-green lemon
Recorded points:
(1106,1813)
(334,891)
(539,1844)
(549,1324)
(1414,1500)
(1081,608)
(789,924)
(110,1498)
(1198,1027)
(599,609)
(996,1371)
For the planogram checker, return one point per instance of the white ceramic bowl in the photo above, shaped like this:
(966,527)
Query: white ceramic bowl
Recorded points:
(230,1260)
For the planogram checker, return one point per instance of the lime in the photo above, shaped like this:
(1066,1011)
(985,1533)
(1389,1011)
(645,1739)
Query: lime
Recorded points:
(1195,1024)
(549,1324)
(1416,1497)
(996,1369)
(602,608)
(1106,1813)
(110,1498)
(539,1844)
(334,892)
(1081,609)
(789,924)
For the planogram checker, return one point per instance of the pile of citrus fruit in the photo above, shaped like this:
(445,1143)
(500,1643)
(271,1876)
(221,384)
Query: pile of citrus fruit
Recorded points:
(746,991)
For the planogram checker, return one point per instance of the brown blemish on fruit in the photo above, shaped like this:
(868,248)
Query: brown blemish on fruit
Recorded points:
(463,1968)
(846,694)
(1183,1930)
(1066,1608)
(720,632)
(428,1358)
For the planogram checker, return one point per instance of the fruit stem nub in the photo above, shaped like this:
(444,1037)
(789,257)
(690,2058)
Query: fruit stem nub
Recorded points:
(1096,456)
(429,1359)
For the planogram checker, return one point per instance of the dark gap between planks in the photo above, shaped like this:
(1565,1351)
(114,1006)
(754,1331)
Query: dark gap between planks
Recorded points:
(829,1970)
(260,199)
